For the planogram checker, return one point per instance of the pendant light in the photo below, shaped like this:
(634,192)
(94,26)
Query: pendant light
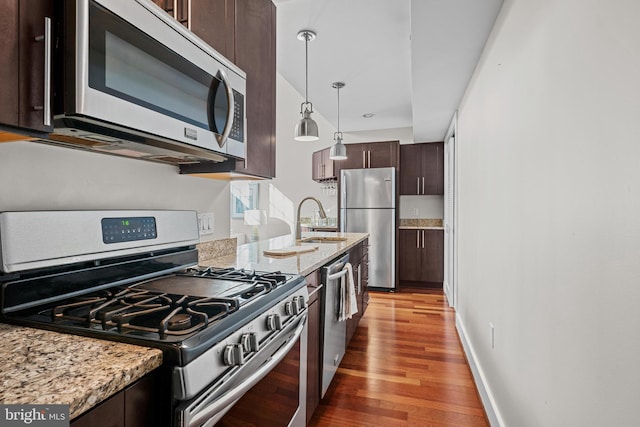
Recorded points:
(338,150)
(307,128)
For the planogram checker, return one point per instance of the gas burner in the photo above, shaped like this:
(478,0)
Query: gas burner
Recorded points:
(131,310)
(268,280)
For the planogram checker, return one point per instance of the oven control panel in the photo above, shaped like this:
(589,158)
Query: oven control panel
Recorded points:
(116,230)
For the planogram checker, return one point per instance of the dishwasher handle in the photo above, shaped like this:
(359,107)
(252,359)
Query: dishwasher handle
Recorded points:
(337,275)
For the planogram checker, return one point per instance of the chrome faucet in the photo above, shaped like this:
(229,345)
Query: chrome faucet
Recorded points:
(323,215)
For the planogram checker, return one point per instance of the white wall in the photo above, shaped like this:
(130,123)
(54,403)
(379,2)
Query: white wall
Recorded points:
(280,196)
(431,207)
(42,177)
(404,135)
(549,208)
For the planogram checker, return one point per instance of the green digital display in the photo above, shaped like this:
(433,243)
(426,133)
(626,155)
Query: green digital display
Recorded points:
(116,230)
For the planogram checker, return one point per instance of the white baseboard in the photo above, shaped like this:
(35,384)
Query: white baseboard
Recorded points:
(488,401)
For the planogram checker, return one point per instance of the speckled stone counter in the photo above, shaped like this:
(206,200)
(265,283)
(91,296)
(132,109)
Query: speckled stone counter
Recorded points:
(44,367)
(250,256)
(420,224)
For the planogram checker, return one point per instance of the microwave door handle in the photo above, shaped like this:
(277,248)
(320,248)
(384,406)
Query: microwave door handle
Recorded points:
(222,139)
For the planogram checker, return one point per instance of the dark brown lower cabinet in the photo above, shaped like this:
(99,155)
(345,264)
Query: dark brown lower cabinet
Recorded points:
(358,257)
(421,257)
(314,358)
(147,402)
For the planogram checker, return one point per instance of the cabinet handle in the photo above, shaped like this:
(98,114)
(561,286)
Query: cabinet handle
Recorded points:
(47,72)
(175,9)
(364,164)
(422,239)
(418,239)
(418,192)
(46,108)
(369,157)
(189,14)
(423,185)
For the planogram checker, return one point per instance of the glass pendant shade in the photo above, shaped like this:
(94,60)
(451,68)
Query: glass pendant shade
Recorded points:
(306,128)
(338,150)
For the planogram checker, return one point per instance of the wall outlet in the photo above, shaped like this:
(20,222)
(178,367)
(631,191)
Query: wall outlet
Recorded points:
(493,335)
(416,212)
(205,223)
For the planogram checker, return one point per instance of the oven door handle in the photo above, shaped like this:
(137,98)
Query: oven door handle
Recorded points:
(211,414)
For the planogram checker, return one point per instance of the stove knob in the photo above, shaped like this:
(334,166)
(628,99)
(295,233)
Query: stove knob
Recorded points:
(296,306)
(303,302)
(249,342)
(289,309)
(232,355)
(274,323)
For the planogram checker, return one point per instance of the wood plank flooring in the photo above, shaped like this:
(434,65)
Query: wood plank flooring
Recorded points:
(404,367)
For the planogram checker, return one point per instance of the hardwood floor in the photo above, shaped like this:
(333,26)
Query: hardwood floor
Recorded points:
(404,367)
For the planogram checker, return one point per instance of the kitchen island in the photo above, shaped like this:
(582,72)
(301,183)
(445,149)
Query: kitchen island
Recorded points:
(250,256)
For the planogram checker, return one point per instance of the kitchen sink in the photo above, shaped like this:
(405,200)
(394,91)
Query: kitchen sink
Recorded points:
(323,239)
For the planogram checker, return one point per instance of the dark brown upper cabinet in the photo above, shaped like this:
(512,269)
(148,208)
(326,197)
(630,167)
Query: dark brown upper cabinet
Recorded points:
(26,44)
(322,166)
(244,31)
(371,155)
(422,169)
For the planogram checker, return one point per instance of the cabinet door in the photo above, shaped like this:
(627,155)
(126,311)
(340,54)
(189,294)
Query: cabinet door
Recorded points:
(213,21)
(316,165)
(440,165)
(255,53)
(32,64)
(328,165)
(433,256)
(410,169)
(411,255)
(355,157)
(430,168)
(22,75)
(9,72)
(109,413)
(314,366)
(364,271)
(382,154)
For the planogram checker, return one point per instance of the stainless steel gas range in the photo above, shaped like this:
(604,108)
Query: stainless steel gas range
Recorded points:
(132,276)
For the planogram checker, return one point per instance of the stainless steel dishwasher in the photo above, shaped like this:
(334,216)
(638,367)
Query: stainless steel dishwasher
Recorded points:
(334,331)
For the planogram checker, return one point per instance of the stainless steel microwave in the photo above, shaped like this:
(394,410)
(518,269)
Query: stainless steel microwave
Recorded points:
(132,81)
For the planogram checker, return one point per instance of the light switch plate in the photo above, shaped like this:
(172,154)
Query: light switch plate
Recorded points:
(205,223)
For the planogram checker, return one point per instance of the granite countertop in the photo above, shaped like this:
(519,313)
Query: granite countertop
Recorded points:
(421,224)
(44,367)
(250,255)
(419,227)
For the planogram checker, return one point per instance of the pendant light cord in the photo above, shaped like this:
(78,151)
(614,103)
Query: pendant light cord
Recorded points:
(338,109)
(306,68)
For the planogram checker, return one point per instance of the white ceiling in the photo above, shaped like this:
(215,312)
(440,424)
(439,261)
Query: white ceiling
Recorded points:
(406,61)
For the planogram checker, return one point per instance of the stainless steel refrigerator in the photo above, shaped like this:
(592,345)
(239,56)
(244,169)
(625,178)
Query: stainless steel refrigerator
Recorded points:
(368,205)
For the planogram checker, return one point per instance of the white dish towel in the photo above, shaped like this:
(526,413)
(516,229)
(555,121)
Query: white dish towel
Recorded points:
(348,304)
